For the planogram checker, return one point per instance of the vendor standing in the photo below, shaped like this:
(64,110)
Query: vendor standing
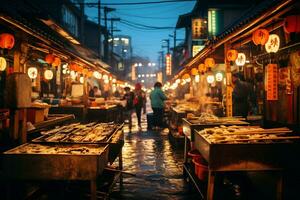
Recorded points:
(242,96)
(95,92)
(157,98)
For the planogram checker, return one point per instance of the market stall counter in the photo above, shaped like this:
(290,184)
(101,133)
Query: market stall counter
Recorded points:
(234,148)
(76,110)
(70,152)
(108,113)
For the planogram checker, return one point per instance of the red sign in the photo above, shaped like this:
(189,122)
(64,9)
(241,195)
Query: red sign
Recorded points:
(272,82)
(168,64)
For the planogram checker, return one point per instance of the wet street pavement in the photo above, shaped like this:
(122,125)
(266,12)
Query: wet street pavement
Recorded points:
(152,166)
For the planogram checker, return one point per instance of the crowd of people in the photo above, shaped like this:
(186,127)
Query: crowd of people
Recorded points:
(136,102)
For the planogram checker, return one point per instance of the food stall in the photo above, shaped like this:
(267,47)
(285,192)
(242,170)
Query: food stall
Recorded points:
(262,50)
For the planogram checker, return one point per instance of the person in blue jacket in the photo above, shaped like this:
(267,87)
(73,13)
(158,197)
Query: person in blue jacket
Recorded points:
(157,98)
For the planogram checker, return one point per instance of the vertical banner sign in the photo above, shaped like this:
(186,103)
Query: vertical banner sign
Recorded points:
(272,82)
(58,75)
(229,91)
(197,28)
(168,64)
(133,74)
(159,77)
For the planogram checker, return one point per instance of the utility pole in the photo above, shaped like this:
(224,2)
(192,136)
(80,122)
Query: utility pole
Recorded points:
(112,36)
(99,24)
(106,11)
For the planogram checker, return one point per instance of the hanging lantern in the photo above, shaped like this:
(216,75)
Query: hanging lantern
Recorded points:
(209,62)
(3,64)
(85,71)
(260,36)
(48,74)
(292,24)
(97,75)
(197,78)
(7,41)
(65,66)
(105,77)
(231,55)
(64,71)
(56,62)
(106,81)
(32,72)
(273,43)
(89,74)
(210,78)
(114,80)
(81,79)
(219,76)
(194,71)
(188,80)
(49,58)
(202,68)
(241,59)
(185,76)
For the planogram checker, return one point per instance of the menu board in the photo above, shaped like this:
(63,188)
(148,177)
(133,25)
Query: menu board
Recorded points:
(272,82)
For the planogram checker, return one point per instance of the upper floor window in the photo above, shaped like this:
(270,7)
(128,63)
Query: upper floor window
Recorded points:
(70,20)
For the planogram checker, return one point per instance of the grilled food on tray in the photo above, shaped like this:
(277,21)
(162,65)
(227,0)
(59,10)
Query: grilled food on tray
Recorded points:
(244,134)
(55,149)
(92,132)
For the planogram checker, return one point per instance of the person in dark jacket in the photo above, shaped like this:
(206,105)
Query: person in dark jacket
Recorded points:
(138,102)
(128,96)
(241,96)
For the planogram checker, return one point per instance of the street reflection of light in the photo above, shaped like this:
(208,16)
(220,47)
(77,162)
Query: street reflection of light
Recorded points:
(142,81)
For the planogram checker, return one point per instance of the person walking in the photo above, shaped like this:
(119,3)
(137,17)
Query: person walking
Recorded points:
(128,96)
(138,102)
(157,98)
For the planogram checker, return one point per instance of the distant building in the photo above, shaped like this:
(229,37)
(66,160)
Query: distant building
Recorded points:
(122,46)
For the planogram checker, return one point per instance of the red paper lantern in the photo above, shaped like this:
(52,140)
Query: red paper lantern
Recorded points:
(260,36)
(209,62)
(292,24)
(7,41)
(49,58)
(231,55)
(56,62)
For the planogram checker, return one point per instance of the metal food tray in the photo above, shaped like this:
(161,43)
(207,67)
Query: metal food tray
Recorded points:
(249,156)
(43,166)
(189,126)
(108,140)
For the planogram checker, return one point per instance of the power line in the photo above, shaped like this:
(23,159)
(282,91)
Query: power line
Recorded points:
(147,26)
(137,3)
(145,17)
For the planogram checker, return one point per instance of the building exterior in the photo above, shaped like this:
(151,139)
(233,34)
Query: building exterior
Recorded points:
(205,21)
(122,46)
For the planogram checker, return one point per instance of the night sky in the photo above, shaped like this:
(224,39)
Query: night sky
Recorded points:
(145,42)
